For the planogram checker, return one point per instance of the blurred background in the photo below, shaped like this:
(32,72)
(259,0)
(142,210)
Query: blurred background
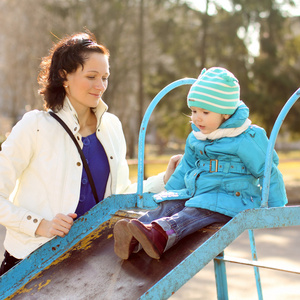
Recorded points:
(153,43)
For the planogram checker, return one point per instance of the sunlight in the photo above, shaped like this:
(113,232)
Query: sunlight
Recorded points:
(226,4)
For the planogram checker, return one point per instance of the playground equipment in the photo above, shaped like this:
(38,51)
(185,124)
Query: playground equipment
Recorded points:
(82,265)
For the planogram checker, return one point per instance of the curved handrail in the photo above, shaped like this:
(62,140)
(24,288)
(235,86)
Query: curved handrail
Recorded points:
(271,145)
(142,134)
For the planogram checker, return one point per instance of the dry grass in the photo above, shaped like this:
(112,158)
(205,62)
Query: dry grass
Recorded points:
(289,165)
(290,171)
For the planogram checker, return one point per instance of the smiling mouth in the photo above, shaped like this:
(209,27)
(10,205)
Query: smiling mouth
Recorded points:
(96,95)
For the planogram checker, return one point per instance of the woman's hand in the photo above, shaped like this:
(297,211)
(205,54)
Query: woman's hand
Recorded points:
(60,225)
(173,163)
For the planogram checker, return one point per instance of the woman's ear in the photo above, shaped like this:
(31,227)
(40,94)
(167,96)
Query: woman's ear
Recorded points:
(63,75)
(226,117)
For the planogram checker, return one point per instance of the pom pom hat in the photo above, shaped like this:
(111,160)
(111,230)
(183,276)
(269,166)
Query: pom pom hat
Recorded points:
(216,90)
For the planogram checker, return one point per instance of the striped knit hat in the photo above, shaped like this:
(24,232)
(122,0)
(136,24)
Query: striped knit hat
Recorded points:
(216,90)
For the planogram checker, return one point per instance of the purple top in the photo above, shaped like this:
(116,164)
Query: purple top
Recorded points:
(98,163)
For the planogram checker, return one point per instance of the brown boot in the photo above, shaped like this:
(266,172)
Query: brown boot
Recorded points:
(152,237)
(124,240)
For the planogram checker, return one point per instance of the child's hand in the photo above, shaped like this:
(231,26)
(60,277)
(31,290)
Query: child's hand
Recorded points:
(60,225)
(173,163)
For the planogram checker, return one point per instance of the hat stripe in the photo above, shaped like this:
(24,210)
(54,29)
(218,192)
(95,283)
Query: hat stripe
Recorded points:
(214,73)
(219,83)
(210,96)
(213,104)
(216,90)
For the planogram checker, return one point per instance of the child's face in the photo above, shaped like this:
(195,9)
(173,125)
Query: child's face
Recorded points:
(207,121)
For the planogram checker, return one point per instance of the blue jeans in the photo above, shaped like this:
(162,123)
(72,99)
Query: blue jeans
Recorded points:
(179,221)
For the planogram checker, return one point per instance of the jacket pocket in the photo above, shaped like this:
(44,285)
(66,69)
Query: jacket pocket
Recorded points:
(238,190)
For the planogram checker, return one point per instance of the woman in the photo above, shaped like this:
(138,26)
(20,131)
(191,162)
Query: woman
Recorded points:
(43,185)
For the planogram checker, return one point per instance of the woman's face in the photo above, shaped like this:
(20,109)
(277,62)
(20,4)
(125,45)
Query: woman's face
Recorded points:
(86,85)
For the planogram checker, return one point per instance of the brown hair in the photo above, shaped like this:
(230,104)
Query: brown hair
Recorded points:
(65,58)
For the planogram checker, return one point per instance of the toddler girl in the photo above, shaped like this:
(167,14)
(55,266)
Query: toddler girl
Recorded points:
(220,174)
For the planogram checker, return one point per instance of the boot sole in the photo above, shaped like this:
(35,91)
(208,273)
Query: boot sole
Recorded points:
(122,237)
(147,245)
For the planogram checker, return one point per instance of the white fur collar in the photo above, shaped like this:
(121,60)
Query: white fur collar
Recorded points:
(222,132)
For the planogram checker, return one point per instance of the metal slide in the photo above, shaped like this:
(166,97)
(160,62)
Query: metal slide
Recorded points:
(83,265)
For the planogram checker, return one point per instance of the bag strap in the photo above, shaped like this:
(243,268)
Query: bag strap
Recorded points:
(85,164)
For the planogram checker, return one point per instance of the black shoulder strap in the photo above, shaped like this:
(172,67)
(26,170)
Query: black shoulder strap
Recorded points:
(85,164)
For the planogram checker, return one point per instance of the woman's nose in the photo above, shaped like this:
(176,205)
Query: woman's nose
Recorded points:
(100,85)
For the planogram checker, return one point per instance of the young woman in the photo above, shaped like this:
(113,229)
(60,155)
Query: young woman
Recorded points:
(43,185)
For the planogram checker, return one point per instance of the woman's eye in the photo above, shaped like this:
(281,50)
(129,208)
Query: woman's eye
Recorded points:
(91,77)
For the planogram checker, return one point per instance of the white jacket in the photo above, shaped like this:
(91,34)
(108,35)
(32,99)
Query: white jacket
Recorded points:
(40,172)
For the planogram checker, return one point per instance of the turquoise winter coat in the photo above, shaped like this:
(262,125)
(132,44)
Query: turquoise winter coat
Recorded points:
(225,175)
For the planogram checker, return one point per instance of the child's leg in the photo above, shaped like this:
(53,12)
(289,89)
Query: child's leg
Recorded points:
(188,221)
(165,232)
(125,243)
(164,209)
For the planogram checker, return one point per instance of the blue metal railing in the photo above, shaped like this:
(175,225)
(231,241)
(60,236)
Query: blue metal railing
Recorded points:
(269,156)
(143,128)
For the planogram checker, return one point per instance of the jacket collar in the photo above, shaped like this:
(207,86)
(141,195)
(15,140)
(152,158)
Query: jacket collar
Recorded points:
(222,132)
(238,118)
(69,115)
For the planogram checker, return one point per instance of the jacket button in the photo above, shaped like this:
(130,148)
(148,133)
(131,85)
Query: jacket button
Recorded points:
(78,164)
(201,152)
(111,157)
(28,217)
(35,220)
(75,128)
(238,194)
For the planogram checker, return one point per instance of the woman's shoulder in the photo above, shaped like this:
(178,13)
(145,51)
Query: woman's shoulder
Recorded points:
(30,123)
(110,118)
(110,115)
(32,117)
(34,114)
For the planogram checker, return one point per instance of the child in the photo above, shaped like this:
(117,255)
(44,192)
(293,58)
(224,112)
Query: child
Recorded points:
(220,174)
